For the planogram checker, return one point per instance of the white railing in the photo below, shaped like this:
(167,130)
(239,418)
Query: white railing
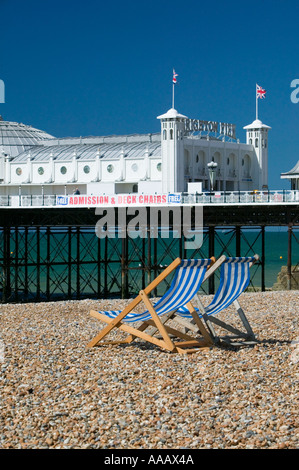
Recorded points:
(242,197)
(216,197)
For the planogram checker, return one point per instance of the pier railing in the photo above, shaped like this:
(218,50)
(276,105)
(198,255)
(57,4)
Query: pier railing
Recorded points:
(243,197)
(207,198)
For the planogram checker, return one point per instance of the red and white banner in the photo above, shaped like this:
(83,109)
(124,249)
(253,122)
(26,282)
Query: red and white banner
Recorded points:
(117,200)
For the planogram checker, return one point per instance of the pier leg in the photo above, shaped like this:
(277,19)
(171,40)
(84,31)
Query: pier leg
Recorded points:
(289,270)
(6,265)
(238,240)
(263,259)
(211,253)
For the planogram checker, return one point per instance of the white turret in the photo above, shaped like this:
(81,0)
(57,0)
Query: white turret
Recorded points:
(257,135)
(172,132)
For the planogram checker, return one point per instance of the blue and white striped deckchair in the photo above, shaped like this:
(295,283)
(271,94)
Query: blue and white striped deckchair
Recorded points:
(234,279)
(188,277)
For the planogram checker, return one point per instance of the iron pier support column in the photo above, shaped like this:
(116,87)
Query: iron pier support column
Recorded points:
(211,253)
(238,240)
(289,268)
(124,268)
(263,260)
(6,264)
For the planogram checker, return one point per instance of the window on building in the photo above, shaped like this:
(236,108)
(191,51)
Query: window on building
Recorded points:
(63,170)
(256,142)
(135,188)
(110,168)
(40,170)
(164,134)
(86,169)
(19,171)
(171,134)
(159,166)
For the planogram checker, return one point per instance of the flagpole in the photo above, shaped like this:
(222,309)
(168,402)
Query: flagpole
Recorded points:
(256,105)
(172,95)
(173,84)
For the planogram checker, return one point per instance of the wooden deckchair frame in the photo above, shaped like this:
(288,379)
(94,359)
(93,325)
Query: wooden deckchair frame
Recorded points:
(187,343)
(247,336)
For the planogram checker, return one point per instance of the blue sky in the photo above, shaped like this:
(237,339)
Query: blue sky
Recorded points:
(97,68)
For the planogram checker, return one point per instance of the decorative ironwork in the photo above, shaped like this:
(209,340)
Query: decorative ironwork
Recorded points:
(54,254)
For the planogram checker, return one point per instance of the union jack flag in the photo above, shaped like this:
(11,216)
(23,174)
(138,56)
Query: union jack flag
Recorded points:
(174,76)
(260,92)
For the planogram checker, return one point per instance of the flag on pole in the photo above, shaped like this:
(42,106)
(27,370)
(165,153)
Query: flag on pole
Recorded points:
(174,77)
(260,92)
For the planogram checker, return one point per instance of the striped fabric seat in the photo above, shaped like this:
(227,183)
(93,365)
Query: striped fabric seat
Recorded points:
(187,280)
(234,278)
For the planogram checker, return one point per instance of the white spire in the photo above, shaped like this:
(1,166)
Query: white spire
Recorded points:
(257,124)
(172,114)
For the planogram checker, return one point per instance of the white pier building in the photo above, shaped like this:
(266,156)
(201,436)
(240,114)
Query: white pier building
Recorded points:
(32,162)
(293,176)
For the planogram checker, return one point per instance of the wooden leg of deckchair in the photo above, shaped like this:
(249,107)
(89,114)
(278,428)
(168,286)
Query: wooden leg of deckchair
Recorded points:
(151,331)
(175,332)
(132,331)
(108,320)
(114,322)
(169,344)
(188,347)
(244,319)
(199,323)
(226,326)
(187,324)
(206,319)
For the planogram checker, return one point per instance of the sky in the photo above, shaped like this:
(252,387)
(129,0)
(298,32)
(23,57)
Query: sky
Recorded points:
(74,68)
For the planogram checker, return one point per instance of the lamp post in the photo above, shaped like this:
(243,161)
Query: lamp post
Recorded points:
(212,169)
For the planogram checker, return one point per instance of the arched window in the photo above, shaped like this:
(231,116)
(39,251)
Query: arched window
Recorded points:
(171,134)
(164,134)
(250,141)
(256,142)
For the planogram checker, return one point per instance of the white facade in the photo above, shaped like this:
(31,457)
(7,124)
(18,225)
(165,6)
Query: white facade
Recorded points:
(145,163)
(257,135)
(292,176)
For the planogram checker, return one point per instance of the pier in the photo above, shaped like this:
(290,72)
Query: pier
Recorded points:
(50,251)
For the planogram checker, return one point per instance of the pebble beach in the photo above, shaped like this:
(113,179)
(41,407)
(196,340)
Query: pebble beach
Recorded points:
(55,393)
